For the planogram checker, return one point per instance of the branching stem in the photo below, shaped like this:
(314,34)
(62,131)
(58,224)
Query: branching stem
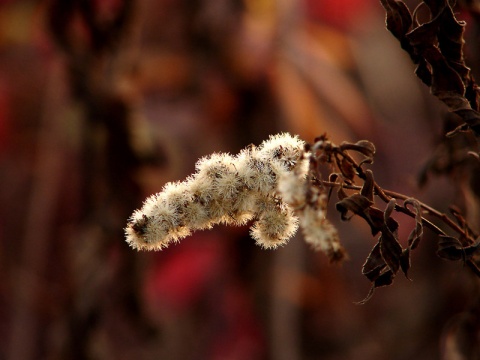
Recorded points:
(387,195)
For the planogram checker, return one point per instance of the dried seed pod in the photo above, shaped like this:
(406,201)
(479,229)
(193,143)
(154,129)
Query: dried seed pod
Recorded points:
(224,189)
(266,184)
(276,224)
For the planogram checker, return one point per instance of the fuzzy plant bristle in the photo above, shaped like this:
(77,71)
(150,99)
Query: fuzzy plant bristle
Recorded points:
(265,185)
(225,189)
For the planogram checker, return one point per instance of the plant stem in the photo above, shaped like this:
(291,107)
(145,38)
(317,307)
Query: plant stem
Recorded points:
(387,195)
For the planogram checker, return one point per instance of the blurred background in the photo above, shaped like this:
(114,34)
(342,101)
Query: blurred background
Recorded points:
(103,102)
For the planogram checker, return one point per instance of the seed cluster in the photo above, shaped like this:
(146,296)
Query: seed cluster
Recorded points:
(225,189)
(310,205)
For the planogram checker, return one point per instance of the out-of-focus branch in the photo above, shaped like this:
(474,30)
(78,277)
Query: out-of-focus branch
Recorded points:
(46,185)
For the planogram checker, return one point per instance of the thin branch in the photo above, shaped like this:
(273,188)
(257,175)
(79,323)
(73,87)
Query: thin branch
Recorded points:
(388,195)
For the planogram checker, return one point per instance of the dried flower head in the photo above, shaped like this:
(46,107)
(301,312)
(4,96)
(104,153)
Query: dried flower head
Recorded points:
(266,184)
(310,205)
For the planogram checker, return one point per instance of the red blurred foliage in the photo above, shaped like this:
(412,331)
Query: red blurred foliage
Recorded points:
(178,279)
(341,14)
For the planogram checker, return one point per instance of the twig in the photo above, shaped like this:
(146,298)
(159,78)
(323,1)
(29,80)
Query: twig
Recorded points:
(388,195)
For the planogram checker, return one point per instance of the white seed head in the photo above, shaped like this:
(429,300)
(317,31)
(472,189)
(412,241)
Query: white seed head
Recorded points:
(214,165)
(319,232)
(228,184)
(284,149)
(274,229)
(259,183)
(255,174)
(292,189)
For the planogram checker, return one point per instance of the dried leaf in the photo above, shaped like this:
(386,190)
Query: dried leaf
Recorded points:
(450,40)
(390,248)
(387,256)
(374,264)
(364,147)
(474,155)
(451,248)
(437,48)
(399,21)
(375,218)
(360,205)
(416,234)
(368,186)
(424,72)
(405,262)
(368,297)
(389,209)
(414,237)
(347,169)
(384,279)
(356,203)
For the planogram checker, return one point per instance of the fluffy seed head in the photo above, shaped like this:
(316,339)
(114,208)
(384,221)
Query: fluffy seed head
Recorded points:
(321,234)
(275,225)
(227,189)
(292,189)
(284,149)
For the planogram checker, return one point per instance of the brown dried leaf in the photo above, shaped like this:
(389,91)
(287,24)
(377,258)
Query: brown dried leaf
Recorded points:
(390,248)
(405,261)
(374,263)
(368,185)
(384,279)
(386,257)
(451,248)
(347,169)
(364,147)
(437,48)
(414,237)
(360,205)
(375,218)
(416,234)
(399,21)
(356,203)
(450,41)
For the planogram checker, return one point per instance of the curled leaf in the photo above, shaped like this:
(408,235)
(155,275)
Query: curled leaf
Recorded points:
(368,186)
(451,248)
(375,269)
(347,169)
(405,261)
(374,264)
(416,234)
(414,237)
(356,203)
(474,155)
(364,147)
(385,259)
(384,279)
(390,248)
(436,47)
(399,21)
